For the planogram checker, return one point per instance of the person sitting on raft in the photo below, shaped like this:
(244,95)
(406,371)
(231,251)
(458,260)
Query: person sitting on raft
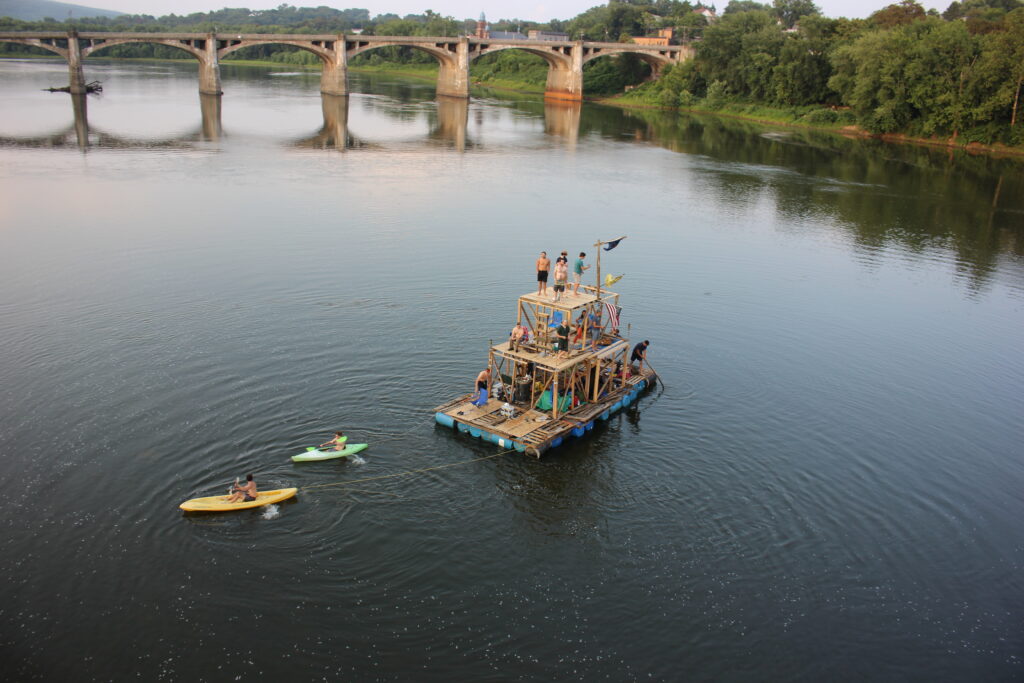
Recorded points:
(338,441)
(243,493)
(519,335)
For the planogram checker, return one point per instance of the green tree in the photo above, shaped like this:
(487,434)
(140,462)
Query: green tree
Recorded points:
(905,12)
(789,12)
(741,50)
(1000,74)
(802,73)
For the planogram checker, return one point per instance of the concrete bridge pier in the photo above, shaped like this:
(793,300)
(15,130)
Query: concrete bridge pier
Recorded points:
(334,76)
(76,83)
(209,67)
(565,80)
(453,74)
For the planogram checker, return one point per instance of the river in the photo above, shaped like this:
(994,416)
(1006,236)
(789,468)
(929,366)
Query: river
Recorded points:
(828,485)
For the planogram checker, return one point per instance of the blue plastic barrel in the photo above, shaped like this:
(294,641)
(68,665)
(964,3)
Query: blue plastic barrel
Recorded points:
(445,420)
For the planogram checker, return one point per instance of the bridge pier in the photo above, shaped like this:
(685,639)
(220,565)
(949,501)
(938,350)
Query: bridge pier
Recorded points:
(209,68)
(334,76)
(76,82)
(566,82)
(453,74)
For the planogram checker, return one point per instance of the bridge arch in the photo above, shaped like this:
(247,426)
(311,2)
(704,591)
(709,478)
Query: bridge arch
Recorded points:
(450,53)
(554,59)
(333,78)
(40,43)
(181,45)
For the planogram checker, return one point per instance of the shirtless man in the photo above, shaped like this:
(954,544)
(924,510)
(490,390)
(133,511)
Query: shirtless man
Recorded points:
(481,387)
(543,266)
(561,278)
(519,335)
(244,493)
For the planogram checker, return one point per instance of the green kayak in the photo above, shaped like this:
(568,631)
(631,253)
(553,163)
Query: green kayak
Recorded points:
(312,454)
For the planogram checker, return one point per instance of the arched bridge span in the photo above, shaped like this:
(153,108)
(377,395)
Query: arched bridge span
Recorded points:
(565,58)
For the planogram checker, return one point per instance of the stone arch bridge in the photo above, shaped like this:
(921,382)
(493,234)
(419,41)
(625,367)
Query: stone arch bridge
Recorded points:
(565,59)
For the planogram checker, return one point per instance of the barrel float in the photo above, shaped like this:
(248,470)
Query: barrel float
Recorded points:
(589,425)
(557,442)
(520,447)
(578,431)
(445,420)
(462,427)
(606,414)
(474,431)
(627,399)
(616,407)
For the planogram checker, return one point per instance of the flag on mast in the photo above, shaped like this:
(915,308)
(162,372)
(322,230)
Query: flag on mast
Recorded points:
(614,243)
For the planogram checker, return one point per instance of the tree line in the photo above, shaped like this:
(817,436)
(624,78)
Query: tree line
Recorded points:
(904,70)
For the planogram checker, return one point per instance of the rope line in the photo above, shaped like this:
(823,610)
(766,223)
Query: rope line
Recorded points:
(406,473)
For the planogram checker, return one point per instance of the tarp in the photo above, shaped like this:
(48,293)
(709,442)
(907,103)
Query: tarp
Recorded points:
(564,402)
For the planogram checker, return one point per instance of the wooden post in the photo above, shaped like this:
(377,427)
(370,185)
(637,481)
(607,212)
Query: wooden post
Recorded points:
(554,397)
(599,245)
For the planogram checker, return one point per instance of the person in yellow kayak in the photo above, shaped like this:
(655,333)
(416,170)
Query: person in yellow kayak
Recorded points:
(338,442)
(245,493)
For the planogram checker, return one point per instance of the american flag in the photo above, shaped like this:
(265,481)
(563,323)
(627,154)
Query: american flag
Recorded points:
(613,314)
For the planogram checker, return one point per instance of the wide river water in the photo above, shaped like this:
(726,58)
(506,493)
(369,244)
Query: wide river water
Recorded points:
(829,485)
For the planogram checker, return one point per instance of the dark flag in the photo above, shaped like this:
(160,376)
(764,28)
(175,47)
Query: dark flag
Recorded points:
(614,243)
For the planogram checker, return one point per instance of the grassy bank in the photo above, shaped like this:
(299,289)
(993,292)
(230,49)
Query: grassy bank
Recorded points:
(817,117)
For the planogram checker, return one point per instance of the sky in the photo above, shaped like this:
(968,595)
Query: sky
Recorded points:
(460,9)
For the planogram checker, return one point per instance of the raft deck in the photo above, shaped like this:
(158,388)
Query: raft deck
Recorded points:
(533,431)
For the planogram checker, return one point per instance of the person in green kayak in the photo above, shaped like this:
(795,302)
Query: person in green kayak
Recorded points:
(245,493)
(338,442)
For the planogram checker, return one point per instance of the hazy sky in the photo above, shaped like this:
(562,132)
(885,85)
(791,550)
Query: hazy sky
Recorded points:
(536,10)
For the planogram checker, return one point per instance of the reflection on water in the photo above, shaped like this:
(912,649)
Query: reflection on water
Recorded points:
(875,191)
(79,134)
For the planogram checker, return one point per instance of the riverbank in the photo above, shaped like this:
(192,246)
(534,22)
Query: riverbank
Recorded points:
(816,118)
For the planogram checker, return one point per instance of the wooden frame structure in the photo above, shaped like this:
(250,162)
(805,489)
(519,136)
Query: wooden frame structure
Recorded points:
(540,394)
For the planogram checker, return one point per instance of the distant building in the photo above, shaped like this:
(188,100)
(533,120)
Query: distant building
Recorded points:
(482,31)
(708,14)
(534,34)
(664,36)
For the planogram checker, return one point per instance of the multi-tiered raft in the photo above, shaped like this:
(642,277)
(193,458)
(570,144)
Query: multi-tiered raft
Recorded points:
(539,397)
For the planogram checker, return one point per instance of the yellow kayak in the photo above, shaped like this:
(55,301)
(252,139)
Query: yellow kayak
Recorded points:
(220,504)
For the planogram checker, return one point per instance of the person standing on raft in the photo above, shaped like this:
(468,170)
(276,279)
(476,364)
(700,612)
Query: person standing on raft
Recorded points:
(245,493)
(543,265)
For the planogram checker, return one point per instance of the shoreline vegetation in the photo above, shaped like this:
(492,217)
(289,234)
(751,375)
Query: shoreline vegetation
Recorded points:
(953,79)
